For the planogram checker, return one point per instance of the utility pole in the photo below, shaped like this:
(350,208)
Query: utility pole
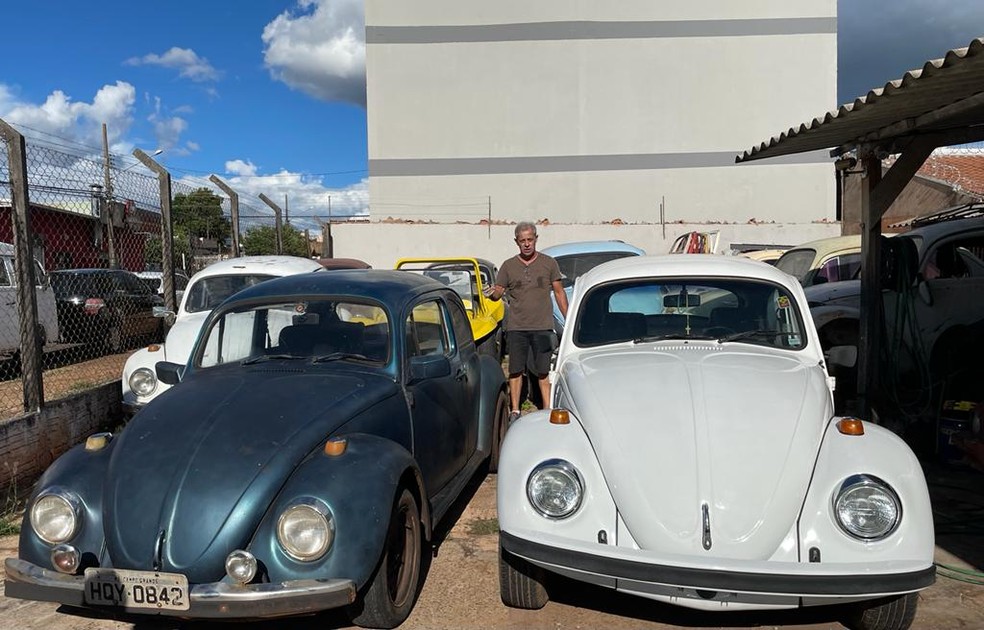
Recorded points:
(107,213)
(233,211)
(286,210)
(330,240)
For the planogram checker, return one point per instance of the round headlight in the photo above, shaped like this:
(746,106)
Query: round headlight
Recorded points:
(143,382)
(55,516)
(867,508)
(305,531)
(554,489)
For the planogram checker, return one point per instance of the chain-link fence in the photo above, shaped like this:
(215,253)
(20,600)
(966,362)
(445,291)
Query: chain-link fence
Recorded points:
(100,271)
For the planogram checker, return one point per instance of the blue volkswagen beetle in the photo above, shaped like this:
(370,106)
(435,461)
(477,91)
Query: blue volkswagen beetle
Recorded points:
(322,427)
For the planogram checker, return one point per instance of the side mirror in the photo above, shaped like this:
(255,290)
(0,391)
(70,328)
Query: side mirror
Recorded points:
(842,356)
(922,290)
(428,366)
(169,373)
(169,316)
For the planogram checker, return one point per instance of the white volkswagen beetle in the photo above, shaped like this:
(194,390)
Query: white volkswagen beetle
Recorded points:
(205,290)
(692,456)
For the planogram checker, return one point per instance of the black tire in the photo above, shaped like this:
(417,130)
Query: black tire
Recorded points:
(500,424)
(896,613)
(392,590)
(521,583)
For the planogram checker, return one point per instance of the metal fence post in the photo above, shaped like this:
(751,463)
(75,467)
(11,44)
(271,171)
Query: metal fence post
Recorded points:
(277,211)
(167,229)
(233,211)
(27,306)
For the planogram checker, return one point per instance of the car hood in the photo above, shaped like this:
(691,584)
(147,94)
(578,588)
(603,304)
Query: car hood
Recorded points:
(686,425)
(833,292)
(181,338)
(199,466)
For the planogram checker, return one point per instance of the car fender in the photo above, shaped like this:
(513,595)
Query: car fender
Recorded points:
(492,382)
(825,314)
(144,357)
(359,487)
(880,453)
(532,440)
(81,472)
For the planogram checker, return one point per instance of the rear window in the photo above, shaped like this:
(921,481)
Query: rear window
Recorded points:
(69,284)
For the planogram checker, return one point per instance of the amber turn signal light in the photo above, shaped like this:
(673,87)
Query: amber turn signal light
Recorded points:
(560,416)
(335,447)
(153,347)
(850,426)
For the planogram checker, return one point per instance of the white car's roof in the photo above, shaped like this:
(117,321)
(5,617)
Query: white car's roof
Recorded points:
(268,265)
(682,265)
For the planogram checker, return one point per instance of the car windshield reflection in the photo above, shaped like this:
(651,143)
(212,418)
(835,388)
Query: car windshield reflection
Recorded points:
(323,330)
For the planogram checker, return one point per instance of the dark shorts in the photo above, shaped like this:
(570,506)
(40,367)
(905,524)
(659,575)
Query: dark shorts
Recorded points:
(530,348)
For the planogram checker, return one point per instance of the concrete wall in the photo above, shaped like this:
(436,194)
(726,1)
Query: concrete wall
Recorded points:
(30,442)
(584,112)
(380,244)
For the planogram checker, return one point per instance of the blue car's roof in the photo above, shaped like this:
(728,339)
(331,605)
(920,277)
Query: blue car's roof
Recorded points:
(590,247)
(393,288)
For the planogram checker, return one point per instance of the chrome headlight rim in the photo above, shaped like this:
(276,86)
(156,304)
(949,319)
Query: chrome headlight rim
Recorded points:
(862,481)
(569,470)
(69,500)
(139,380)
(320,510)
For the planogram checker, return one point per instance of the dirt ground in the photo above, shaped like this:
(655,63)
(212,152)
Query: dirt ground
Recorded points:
(63,381)
(461,591)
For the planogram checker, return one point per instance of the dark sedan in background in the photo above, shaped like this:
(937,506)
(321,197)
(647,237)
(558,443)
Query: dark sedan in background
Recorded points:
(105,307)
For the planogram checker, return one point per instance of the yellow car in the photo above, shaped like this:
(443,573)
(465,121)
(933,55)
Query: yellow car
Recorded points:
(467,277)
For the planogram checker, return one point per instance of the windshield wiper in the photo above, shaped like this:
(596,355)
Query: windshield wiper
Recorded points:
(336,356)
(269,357)
(756,333)
(651,338)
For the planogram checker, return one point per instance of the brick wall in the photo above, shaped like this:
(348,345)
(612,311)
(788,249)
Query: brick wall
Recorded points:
(30,442)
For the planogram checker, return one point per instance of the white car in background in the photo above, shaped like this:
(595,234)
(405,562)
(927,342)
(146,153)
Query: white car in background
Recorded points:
(206,290)
(10,335)
(692,456)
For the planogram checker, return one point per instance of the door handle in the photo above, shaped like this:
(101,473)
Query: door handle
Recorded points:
(460,374)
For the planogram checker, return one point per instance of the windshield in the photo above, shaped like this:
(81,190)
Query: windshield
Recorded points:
(724,310)
(797,262)
(322,330)
(209,292)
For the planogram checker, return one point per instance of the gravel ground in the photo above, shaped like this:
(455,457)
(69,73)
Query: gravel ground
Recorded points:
(461,591)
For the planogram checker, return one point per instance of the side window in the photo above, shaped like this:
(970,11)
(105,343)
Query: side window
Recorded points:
(459,322)
(426,332)
(956,259)
(4,276)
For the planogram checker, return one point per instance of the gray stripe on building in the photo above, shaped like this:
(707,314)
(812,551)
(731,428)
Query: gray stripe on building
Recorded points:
(552,31)
(418,167)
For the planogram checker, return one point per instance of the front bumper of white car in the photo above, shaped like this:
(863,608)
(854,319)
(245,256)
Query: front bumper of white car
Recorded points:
(713,583)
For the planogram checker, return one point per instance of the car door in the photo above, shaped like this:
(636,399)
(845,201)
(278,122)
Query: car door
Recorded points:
(954,273)
(467,358)
(9,315)
(439,428)
(139,304)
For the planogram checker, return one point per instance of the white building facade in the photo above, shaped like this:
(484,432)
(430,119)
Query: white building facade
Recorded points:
(596,113)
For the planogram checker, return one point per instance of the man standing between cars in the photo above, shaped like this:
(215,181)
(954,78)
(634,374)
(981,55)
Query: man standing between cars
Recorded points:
(528,278)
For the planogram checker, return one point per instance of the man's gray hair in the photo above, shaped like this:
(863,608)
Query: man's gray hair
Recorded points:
(524,226)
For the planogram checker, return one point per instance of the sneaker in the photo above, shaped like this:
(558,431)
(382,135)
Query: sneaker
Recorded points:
(513,417)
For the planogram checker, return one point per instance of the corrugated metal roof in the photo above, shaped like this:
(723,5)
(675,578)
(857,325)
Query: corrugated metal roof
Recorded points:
(896,110)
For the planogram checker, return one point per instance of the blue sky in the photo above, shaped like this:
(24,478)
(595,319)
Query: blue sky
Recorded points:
(270,94)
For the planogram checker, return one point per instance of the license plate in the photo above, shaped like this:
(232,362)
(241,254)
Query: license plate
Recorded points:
(136,589)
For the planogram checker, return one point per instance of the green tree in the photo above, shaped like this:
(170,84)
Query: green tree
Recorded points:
(199,215)
(153,251)
(263,240)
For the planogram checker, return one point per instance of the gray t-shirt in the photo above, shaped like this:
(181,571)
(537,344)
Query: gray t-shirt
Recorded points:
(528,287)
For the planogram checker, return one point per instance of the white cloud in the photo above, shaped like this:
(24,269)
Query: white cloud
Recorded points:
(185,60)
(76,121)
(168,129)
(241,168)
(320,49)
